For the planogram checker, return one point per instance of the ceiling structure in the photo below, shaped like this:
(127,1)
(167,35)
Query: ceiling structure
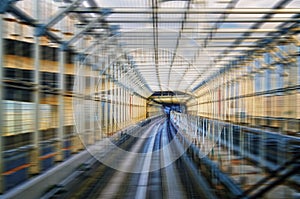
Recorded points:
(177,45)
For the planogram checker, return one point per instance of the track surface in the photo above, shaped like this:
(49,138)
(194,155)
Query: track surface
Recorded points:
(180,179)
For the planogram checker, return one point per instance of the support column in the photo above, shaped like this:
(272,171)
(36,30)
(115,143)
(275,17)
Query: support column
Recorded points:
(123,105)
(80,138)
(76,98)
(110,91)
(1,103)
(93,110)
(101,109)
(106,115)
(126,112)
(127,106)
(35,152)
(61,106)
(114,99)
(252,102)
(119,115)
(292,124)
(298,82)
(117,99)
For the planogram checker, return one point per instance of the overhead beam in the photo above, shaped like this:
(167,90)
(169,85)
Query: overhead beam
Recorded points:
(211,50)
(5,5)
(85,29)
(139,10)
(190,30)
(165,45)
(137,72)
(62,13)
(225,68)
(178,40)
(14,10)
(171,37)
(32,22)
(197,20)
(257,26)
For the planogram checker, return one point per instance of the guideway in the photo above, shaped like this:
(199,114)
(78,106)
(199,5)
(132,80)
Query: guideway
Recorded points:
(177,179)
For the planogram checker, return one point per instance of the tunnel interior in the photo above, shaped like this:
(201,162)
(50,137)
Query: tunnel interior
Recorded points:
(219,79)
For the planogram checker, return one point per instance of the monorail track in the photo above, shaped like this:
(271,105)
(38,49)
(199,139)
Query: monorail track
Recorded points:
(172,181)
(188,176)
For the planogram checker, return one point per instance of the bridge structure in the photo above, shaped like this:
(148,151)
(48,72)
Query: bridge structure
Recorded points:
(149,98)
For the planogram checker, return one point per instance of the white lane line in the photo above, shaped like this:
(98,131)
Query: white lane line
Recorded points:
(144,177)
(116,181)
(174,188)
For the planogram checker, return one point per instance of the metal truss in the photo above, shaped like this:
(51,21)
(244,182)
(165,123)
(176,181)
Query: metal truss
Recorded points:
(210,38)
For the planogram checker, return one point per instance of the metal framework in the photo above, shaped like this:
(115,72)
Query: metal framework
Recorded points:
(188,29)
(207,35)
(212,56)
